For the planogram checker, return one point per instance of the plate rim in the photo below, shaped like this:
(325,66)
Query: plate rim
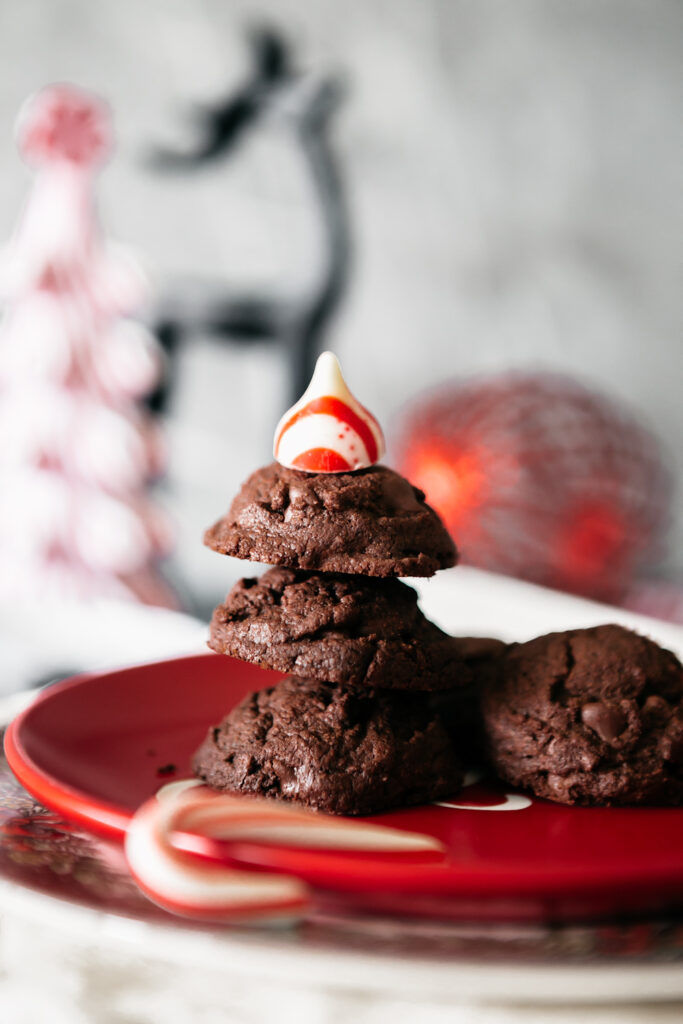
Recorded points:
(111,820)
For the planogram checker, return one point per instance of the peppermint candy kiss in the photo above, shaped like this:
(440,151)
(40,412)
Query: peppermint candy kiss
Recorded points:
(328,430)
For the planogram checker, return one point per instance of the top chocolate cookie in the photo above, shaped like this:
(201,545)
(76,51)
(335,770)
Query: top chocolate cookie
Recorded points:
(372,523)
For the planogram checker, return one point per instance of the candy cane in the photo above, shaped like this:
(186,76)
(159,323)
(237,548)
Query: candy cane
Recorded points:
(186,884)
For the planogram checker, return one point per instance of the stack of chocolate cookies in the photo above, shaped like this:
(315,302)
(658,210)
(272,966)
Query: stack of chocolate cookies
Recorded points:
(352,729)
(381,707)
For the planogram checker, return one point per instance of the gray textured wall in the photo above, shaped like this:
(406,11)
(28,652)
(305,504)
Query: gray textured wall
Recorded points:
(513,176)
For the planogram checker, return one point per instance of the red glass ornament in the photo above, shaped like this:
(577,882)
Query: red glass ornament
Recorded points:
(538,477)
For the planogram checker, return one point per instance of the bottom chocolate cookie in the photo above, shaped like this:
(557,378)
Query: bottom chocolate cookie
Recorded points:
(333,748)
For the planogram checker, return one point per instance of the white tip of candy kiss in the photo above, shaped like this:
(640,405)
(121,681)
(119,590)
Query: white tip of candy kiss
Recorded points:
(328,430)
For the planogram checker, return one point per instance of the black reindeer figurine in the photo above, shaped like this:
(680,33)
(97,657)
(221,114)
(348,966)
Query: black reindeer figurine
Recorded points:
(297,324)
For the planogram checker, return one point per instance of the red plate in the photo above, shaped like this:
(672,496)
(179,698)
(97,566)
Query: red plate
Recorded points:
(95,747)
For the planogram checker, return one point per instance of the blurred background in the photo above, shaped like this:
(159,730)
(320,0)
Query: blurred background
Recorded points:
(482,199)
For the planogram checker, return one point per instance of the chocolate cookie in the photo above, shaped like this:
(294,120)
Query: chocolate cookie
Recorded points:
(480,652)
(372,523)
(590,716)
(340,629)
(337,749)
(459,708)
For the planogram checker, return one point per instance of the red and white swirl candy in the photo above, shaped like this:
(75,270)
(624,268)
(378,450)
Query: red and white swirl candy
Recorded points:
(328,430)
(197,886)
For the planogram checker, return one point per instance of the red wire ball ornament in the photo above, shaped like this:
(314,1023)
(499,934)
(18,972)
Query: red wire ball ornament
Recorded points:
(540,478)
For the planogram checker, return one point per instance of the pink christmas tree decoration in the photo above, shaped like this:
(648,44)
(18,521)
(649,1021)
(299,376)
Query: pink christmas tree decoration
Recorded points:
(64,123)
(77,451)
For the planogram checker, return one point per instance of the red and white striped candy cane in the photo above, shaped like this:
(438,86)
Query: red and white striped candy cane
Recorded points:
(195,887)
(187,885)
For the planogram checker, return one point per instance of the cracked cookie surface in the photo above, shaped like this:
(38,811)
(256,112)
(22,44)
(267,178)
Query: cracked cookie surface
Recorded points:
(588,716)
(372,523)
(333,748)
(339,629)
